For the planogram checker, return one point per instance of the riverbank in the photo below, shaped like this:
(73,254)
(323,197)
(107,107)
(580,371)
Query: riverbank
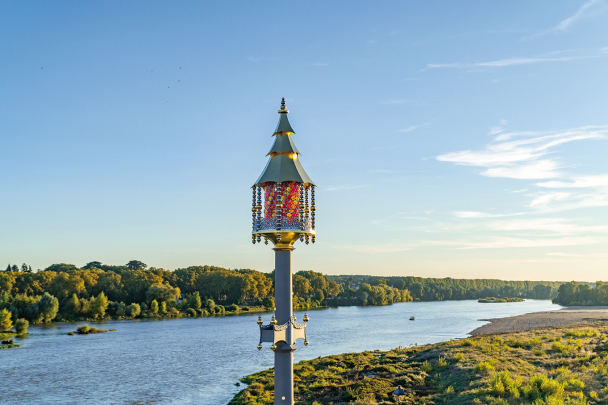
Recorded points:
(566,365)
(551,319)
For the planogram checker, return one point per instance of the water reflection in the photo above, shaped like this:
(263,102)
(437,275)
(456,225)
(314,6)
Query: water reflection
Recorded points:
(198,361)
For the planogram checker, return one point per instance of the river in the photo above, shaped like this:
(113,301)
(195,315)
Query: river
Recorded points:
(198,361)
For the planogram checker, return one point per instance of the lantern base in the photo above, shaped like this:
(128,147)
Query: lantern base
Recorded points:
(288,237)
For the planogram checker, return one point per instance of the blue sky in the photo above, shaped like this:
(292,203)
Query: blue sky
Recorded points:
(447,139)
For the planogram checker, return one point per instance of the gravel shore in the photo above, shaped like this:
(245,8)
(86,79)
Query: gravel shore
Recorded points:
(538,320)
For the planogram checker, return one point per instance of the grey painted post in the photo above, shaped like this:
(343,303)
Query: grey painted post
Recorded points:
(283,301)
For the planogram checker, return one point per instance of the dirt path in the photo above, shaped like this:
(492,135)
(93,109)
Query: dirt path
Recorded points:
(537,320)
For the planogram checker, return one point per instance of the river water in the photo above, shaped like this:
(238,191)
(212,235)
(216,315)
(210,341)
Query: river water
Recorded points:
(198,361)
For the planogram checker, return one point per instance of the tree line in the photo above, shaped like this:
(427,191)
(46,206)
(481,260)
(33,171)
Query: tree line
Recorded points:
(97,290)
(441,289)
(575,293)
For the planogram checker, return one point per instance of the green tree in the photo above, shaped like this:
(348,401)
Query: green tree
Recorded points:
(64,285)
(72,307)
(48,306)
(7,281)
(98,306)
(133,310)
(111,285)
(162,292)
(61,267)
(15,268)
(21,326)
(210,305)
(194,301)
(5,320)
(163,307)
(301,286)
(319,295)
(121,309)
(154,307)
(92,265)
(136,265)
(333,289)
(84,306)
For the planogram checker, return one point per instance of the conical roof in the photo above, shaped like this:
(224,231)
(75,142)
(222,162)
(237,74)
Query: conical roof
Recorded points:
(283,143)
(284,163)
(283,125)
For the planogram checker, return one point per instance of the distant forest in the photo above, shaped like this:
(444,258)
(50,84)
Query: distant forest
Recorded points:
(98,290)
(440,289)
(574,293)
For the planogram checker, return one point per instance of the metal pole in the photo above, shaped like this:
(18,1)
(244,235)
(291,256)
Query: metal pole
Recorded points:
(283,301)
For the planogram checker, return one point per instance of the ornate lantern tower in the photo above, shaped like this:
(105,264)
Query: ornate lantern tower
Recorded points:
(288,214)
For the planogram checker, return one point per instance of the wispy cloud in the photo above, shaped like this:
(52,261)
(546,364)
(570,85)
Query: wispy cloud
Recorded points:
(530,155)
(585,11)
(501,243)
(556,225)
(519,159)
(320,64)
(413,127)
(545,199)
(578,182)
(372,249)
(336,188)
(598,255)
(475,214)
(514,61)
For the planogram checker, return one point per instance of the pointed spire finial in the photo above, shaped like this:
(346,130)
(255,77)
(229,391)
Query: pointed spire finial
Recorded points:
(283,109)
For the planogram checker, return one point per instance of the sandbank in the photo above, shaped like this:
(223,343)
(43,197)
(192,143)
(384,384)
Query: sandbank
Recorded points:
(550,319)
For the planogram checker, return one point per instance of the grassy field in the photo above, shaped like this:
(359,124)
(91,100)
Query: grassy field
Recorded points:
(542,367)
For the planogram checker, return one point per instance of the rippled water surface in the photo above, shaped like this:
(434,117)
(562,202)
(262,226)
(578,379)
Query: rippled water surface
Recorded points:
(198,361)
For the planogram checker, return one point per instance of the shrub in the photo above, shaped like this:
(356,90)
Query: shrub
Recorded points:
(503,384)
(71,333)
(442,362)
(21,326)
(245,309)
(459,357)
(84,329)
(426,366)
(191,312)
(512,342)
(552,388)
(154,307)
(583,333)
(575,384)
(449,390)
(133,310)
(484,366)
(467,342)
(232,307)
(538,352)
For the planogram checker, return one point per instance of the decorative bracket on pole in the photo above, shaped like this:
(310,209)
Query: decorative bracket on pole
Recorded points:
(288,333)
